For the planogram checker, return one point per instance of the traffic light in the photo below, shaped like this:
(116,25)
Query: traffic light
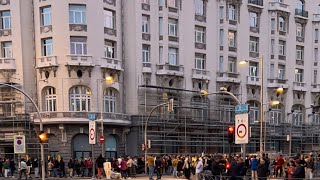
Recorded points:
(170,105)
(230,134)
(204,92)
(42,137)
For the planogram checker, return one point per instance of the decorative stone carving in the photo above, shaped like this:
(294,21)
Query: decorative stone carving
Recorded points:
(45,29)
(78,27)
(7,74)
(146,37)
(174,38)
(145,7)
(254,9)
(200,45)
(300,39)
(82,68)
(200,18)
(50,69)
(254,29)
(4,2)
(173,10)
(110,2)
(5,32)
(253,54)
(111,32)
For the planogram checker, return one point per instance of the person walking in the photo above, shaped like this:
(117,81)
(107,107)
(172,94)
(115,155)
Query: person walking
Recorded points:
(290,170)
(262,170)
(71,167)
(199,169)
(36,167)
(254,166)
(310,167)
(23,169)
(175,165)
(130,167)
(299,172)
(62,168)
(6,167)
(123,169)
(187,168)
(100,160)
(150,161)
(158,165)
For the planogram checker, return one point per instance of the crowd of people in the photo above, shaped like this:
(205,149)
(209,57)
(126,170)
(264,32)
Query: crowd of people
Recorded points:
(201,167)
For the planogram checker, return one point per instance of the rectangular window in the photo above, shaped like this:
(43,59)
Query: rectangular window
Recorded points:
(273,24)
(315,75)
(173,27)
(109,19)
(232,38)
(221,64)
(46,47)
(316,52)
(5,19)
(232,12)
(200,61)
(6,49)
(272,46)
(281,73)
(200,34)
(199,7)
(298,75)
(253,19)
(299,53)
(271,71)
(254,44)
(253,69)
(160,55)
(145,24)
(46,16)
(282,24)
(282,48)
(78,45)
(221,37)
(77,14)
(299,30)
(161,26)
(221,12)
(173,56)
(145,53)
(316,35)
(172,3)
(161,2)
(232,64)
(109,49)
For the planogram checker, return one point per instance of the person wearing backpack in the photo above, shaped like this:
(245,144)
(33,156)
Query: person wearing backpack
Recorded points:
(254,167)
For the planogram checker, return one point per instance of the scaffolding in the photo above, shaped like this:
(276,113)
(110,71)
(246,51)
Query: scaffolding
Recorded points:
(198,125)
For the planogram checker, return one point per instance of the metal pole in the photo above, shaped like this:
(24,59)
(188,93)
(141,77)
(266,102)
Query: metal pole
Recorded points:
(41,126)
(93,163)
(261,106)
(290,135)
(145,135)
(265,134)
(101,117)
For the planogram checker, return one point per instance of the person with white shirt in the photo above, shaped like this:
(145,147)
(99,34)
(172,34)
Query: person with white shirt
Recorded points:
(199,169)
(23,168)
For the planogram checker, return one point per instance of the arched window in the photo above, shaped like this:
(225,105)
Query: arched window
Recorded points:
(275,115)
(199,108)
(80,98)
(299,30)
(109,100)
(300,6)
(297,115)
(81,146)
(254,112)
(50,96)
(282,24)
(232,12)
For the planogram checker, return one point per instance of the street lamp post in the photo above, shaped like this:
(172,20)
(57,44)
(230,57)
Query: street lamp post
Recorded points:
(41,126)
(108,80)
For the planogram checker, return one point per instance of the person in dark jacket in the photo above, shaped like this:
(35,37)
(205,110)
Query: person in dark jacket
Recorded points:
(71,167)
(36,167)
(12,167)
(236,169)
(158,165)
(299,172)
(262,170)
(179,167)
(62,168)
(215,168)
(100,161)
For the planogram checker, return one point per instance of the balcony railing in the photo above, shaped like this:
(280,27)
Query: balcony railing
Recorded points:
(169,69)
(200,74)
(278,83)
(47,61)
(315,88)
(278,6)
(228,77)
(111,63)
(301,13)
(316,17)
(79,116)
(256,2)
(79,60)
(299,86)
(7,64)
(253,80)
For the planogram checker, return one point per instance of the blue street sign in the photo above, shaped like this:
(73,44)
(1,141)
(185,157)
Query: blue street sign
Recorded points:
(92,116)
(242,108)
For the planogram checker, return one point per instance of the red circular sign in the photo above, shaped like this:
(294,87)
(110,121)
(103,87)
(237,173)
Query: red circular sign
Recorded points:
(101,139)
(241,131)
